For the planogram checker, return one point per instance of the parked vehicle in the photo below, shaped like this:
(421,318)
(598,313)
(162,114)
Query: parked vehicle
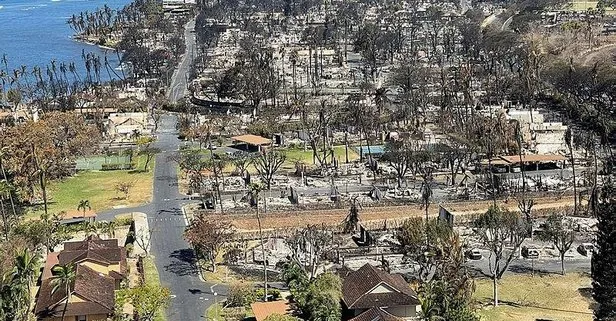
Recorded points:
(474,254)
(586,249)
(530,253)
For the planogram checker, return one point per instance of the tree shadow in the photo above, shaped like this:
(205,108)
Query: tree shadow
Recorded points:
(518,305)
(173,211)
(183,263)
(586,293)
(478,272)
(521,269)
(138,171)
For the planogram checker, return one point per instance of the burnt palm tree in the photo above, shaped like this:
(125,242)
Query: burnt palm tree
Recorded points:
(255,190)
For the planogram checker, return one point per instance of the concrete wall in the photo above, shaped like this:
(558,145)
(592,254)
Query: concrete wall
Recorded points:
(92,317)
(405,311)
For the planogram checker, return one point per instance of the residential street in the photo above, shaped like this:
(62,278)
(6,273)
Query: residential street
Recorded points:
(175,259)
(178,82)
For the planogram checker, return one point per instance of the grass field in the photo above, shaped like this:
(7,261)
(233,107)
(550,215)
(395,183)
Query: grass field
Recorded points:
(297,154)
(579,5)
(151,277)
(98,188)
(582,5)
(527,298)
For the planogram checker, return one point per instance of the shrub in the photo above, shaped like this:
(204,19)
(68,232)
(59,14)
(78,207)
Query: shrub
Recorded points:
(124,221)
(273,294)
(116,166)
(240,294)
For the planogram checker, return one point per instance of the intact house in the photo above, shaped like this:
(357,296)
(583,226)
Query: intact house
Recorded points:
(371,294)
(100,267)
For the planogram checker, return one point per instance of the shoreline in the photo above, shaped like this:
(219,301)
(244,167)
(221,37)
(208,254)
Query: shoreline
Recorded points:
(86,40)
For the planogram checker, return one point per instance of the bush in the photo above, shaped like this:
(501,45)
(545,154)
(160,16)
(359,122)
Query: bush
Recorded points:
(280,317)
(124,221)
(116,166)
(273,294)
(240,294)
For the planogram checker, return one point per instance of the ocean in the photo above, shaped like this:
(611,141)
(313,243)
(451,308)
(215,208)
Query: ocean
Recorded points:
(34,32)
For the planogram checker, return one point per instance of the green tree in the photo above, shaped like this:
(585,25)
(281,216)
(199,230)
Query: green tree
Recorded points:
(5,190)
(144,145)
(502,232)
(281,317)
(603,265)
(148,300)
(84,205)
(558,230)
(241,294)
(109,228)
(423,242)
(323,297)
(63,279)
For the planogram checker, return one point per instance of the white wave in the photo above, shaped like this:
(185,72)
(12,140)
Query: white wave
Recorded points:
(34,7)
(56,0)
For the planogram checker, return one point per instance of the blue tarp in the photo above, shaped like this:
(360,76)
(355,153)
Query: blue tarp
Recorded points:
(375,150)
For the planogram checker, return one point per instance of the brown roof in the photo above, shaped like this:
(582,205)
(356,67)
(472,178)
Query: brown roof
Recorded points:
(357,286)
(262,310)
(50,262)
(104,252)
(252,139)
(95,288)
(91,241)
(376,314)
(515,159)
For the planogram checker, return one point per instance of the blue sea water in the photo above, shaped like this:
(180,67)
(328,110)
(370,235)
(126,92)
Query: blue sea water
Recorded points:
(34,32)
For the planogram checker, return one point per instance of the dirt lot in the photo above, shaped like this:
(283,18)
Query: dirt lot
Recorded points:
(375,215)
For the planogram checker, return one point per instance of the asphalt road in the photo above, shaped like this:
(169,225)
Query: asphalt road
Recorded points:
(543,265)
(177,90)
(174,258)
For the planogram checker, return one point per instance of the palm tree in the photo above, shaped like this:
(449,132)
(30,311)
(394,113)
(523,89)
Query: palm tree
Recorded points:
(63,278)
(24,274)
(255,190)
(84,205)
(109,228)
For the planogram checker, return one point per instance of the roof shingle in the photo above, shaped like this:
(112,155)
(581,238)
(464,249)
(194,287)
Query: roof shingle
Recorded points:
(94,288)
(357,286)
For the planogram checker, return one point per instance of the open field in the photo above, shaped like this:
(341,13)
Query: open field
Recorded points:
(297,154)
(527,298)
(300,218)
(98,188)
(151,277)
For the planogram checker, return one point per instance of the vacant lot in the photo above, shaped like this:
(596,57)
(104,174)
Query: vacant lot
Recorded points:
(527,298)
(99,188)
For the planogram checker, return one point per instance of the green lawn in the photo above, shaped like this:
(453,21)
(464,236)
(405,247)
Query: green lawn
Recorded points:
(151,277)
(580,5)
(297,154)
(527,298)
(214,312)
(98,188)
